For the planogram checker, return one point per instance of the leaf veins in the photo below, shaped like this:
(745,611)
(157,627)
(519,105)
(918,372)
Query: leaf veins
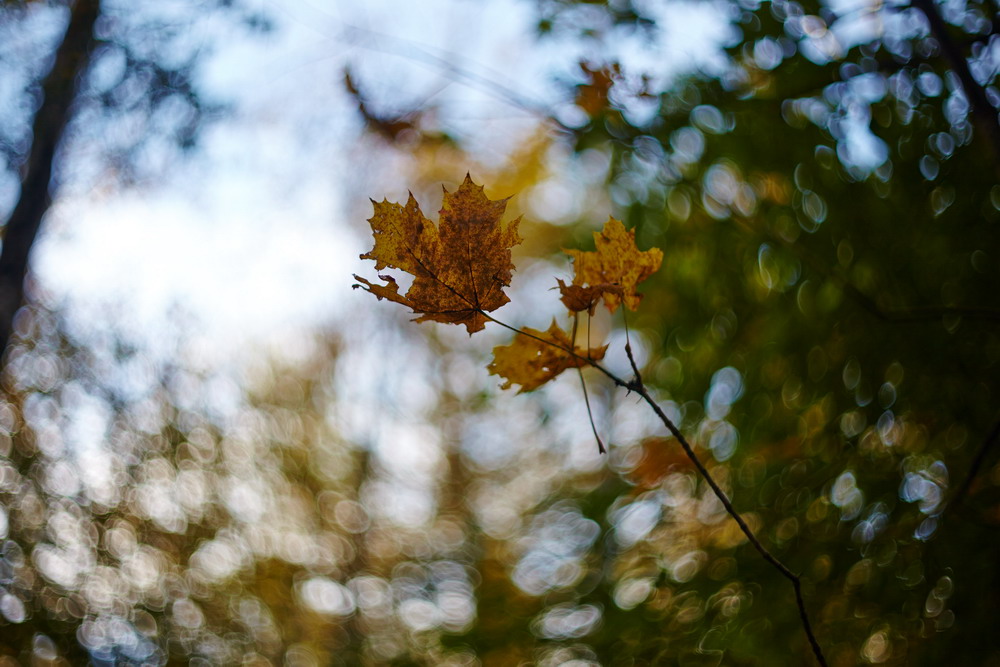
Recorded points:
(535,357)
(460,266)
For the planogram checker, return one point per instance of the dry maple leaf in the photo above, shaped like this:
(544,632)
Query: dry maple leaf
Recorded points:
(535,357)
(579,298)
(460,267)
(611,271)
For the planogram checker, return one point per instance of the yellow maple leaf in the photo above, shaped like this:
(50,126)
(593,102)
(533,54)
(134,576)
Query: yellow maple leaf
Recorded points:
(460,267)
(611,271)
(535,357)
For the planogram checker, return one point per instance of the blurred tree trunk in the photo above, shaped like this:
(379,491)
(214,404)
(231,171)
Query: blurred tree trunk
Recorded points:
(58,91)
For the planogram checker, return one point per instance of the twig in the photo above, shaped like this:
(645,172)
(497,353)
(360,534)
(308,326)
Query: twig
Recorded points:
(628,350)
(638,387)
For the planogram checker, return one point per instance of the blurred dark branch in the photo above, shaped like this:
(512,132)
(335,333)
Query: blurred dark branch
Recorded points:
(910,314)
(394,128)
(977,463)
(448,65)
(926,313)
(389,127)
(58,92)
(983,112)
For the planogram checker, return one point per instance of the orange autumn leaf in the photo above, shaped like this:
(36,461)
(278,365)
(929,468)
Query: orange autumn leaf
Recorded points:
(613,270)
(535,357)
(460,266)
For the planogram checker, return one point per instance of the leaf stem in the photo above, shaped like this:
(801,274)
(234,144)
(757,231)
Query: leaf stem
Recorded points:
(586,399)
(583,383)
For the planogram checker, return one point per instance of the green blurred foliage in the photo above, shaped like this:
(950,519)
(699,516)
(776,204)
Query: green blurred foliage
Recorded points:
(826,326)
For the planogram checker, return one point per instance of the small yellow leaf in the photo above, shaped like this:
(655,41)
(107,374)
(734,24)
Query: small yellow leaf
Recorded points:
(616,261)
(532,360)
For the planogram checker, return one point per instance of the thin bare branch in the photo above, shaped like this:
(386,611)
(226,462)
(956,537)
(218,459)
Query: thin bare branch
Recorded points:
(796,581)
(638,387)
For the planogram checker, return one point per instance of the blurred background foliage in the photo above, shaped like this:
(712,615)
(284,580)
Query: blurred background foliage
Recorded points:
(824,329)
